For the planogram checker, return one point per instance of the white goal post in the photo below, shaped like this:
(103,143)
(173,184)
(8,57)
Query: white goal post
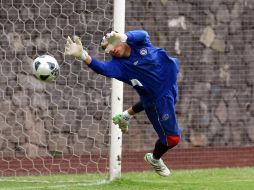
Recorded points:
(116,100)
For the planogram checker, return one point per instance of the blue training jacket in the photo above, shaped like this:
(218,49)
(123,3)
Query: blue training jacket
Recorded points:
(150,70)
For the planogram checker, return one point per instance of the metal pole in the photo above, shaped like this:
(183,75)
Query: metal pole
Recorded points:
(116,100)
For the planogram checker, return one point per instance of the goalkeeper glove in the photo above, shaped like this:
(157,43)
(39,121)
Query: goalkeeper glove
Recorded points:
(112,39)
(75,48)
(122,120)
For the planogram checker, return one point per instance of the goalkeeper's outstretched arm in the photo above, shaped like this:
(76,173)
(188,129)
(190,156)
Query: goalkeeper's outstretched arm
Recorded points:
(109,42)
(109,69)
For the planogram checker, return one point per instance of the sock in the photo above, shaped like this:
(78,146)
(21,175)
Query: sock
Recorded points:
(159,150)
(155,160)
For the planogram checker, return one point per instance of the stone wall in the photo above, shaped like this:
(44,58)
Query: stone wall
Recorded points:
(70,115)
(214,42)
(212,39)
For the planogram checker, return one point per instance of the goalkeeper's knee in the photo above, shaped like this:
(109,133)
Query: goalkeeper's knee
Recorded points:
(173,140)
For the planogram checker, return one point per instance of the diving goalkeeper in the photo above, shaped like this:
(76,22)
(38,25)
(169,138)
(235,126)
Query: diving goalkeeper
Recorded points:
(152,73)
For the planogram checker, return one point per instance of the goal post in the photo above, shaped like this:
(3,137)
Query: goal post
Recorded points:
(63,126)
(116,100)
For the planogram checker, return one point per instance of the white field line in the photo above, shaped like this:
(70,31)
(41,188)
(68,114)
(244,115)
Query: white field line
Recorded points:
(35,188)
(58,184)
(54,182)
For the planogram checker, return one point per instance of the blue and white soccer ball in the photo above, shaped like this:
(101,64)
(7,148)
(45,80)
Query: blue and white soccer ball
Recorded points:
(45,68)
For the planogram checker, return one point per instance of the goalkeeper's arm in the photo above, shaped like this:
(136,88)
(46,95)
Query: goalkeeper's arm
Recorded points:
(109,69)
(109,42)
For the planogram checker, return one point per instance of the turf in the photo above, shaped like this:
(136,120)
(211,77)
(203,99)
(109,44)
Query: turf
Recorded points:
(205,179)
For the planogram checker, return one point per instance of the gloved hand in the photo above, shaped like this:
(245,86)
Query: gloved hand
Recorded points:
(111,40)
(75,48)
(122,120)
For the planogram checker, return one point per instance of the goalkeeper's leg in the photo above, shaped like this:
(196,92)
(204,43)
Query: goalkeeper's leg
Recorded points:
(154,159)
(162,116)
(160,148)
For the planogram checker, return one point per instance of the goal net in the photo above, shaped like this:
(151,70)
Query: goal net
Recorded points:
(58,127)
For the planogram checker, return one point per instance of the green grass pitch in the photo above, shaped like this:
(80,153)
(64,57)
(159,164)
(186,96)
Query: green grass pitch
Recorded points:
(204,179)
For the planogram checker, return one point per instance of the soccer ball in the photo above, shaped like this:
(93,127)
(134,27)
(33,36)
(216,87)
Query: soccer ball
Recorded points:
(45,68)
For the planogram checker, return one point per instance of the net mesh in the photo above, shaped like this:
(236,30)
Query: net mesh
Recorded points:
(61,126)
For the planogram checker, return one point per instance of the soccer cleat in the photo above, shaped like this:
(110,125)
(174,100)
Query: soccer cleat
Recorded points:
(158,165)
(121,122)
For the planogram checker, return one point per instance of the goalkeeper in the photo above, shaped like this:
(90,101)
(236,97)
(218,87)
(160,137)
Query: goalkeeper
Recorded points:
(152,73)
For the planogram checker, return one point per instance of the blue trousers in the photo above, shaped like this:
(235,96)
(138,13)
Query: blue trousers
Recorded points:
(161,114)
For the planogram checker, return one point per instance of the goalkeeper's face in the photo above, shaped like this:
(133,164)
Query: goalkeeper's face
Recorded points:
(120,50)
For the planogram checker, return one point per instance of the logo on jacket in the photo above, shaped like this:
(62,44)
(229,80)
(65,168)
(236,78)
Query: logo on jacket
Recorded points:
(143,51)
(165,117)
(135,63)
